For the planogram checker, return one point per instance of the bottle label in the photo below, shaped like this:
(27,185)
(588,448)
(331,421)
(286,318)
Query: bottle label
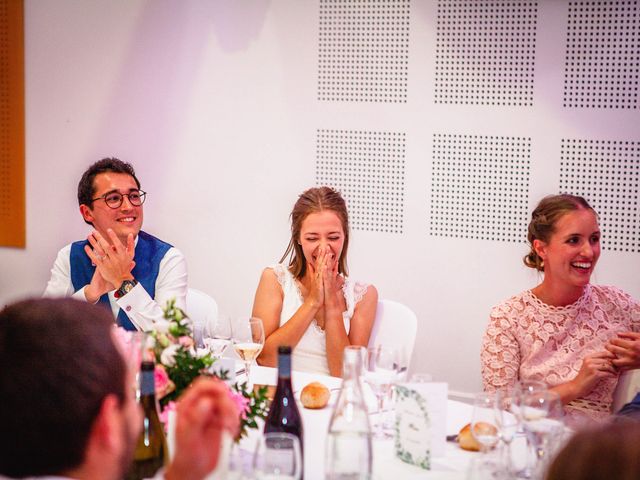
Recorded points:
(147,382)
(284,365)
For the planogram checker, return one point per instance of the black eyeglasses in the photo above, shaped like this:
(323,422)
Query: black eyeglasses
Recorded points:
(115,199)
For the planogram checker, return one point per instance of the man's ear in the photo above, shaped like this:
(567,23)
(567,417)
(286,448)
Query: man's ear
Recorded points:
(87,213)
(106,432)
(540,248)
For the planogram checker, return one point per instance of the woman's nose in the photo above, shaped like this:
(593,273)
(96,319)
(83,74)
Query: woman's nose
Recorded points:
(587,250)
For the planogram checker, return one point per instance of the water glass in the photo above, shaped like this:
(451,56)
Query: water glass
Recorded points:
(381,369)
(278,457)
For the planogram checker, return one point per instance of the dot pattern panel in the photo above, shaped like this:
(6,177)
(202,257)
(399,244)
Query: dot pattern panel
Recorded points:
(368,168)
(480,187)
(5,117)
(485,52)
(607,174)
(603,54)
(363,51)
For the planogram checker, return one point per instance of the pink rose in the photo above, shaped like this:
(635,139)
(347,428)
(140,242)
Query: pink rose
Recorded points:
(163,383)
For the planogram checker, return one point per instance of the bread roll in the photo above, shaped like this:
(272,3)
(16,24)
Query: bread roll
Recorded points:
(315,395)
(466,439)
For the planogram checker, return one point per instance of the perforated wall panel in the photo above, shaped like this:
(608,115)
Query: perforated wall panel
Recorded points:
(12,127)
(5,115)
(480,187)
(485,52)
(363,50)
(603,54)
(607,174)
(368,168)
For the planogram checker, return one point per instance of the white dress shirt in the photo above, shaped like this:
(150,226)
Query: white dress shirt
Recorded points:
(142,310)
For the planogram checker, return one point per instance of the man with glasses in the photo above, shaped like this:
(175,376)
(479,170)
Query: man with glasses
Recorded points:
(118,265)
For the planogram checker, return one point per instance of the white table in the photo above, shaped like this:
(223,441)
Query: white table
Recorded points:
(452,466)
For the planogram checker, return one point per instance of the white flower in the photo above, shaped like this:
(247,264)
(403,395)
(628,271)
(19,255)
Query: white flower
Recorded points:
(168,355)
(161,326)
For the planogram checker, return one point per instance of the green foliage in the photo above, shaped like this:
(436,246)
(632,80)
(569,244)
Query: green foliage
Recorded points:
(187,366)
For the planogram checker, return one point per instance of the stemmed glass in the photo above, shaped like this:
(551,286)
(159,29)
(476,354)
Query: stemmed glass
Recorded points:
(508,424)
(524,467)
(216,339)
(278,457)
(485,431)
(483,421)
(381,369)
(541,413)
(248,340)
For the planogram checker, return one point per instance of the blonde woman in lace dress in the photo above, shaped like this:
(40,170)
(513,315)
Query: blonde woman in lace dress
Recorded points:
(560,331)
(310,303)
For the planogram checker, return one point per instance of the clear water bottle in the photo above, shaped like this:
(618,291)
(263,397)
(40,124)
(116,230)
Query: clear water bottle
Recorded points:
(349,449)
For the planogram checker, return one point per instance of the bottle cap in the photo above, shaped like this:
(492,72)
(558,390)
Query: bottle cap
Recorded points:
(147,365)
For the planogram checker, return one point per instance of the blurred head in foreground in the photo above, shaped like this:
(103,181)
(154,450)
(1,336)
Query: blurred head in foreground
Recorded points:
(611,451)
(63,391)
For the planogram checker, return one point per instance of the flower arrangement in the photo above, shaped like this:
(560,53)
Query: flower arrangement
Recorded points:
(178,363)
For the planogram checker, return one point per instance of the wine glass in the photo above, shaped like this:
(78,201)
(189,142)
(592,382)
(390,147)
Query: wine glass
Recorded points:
(217,338)
(248,340)
(541,413)
(507,422)
(526,458)
(483,421)
(381,368)
(278,457)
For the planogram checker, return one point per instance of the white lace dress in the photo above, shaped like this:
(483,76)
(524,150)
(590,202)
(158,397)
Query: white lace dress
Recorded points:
(310,355)
(528,339)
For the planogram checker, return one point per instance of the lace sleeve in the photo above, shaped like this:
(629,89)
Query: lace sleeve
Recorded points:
(280,271)
(359,291)
(631,307)
(353,292)
(500,354)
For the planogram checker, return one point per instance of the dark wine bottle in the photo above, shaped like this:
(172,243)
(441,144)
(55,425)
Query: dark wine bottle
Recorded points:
(151,452)
(284,415)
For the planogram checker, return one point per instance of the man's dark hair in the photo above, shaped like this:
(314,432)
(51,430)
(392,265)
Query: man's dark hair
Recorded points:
(85,186)
(58,362)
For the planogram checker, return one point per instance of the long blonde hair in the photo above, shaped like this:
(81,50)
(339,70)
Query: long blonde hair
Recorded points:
(315,200)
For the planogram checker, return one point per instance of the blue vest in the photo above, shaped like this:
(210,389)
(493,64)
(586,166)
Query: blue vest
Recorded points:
(149,252)
(632,409)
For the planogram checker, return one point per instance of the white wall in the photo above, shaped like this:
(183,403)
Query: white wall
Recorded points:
(215,104)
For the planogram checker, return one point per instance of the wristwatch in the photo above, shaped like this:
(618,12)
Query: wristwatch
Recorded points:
(125,288)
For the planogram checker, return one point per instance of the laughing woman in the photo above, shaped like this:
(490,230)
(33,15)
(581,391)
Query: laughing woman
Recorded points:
(574,336)
(310,303)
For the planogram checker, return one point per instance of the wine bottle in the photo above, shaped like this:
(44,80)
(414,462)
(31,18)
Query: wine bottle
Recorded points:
(151,452)
(284,415)
(349,451)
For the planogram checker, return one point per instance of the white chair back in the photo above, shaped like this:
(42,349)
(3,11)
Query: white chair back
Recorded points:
(202,310)
(627,388)
(395,326)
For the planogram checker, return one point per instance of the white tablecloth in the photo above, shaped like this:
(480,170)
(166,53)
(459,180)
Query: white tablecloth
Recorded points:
(451,466)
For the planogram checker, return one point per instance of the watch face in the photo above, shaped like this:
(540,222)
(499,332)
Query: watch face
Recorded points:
(126,286)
